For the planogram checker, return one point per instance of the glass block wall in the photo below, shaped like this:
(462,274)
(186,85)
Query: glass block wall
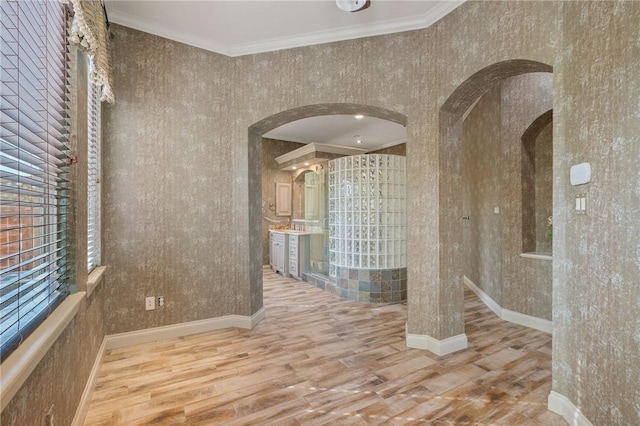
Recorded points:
(367,212)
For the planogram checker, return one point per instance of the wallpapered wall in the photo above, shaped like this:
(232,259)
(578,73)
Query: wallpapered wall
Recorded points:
(177,193)
(492,177)
(596,266)
(481,192)
(544,188)
(168,191)
(526,282)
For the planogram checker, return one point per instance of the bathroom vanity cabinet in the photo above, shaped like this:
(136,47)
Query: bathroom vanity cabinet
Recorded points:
(298,254)
(289,252)
(279,248)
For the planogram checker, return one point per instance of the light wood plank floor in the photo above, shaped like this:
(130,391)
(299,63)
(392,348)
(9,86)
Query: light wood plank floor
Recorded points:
(319,360)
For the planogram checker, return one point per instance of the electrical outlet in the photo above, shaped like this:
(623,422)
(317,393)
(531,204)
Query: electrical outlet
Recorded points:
(149,303)
(160,302)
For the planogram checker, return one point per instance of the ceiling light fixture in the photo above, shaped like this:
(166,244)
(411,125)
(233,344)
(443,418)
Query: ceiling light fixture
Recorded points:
(359,116)
(359,141)
(353,5)
(306,164)
(294,167)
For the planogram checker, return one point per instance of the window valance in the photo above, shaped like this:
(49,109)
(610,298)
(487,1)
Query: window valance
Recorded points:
(89,30)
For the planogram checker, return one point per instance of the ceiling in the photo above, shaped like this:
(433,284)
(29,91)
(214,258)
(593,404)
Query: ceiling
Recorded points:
(343,130)
(239,27)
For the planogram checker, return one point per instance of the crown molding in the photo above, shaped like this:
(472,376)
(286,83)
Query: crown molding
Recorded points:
(321,37)
(150,27)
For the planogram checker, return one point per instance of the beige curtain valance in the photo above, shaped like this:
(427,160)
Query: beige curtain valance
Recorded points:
(89,30)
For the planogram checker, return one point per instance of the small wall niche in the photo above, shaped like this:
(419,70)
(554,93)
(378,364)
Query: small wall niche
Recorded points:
(537,185)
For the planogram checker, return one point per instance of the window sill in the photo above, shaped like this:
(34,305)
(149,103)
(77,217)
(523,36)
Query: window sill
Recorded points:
(19,365)
(95,278)
(539,256)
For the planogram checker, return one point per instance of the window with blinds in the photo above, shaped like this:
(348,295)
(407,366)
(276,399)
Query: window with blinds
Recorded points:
(34,128)
(94,175)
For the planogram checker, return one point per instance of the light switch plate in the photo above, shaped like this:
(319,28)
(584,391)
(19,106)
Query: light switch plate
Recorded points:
(581,204)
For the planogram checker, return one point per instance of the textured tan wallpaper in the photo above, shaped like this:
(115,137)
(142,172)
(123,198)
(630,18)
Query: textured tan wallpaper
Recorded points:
(481,192)
(544,187)
(168,190)
(526,286)
(596,278)
(492,177)
(183,181)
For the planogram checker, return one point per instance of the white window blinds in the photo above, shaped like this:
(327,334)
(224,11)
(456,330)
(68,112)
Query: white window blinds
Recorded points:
(34,200)
(94,176)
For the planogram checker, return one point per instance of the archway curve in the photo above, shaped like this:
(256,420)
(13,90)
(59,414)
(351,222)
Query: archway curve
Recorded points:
(537,126)
(255,132)
(484,80)
(450,211)
(315,110)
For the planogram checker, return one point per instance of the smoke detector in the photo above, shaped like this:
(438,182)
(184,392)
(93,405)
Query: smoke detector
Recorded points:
(353,5)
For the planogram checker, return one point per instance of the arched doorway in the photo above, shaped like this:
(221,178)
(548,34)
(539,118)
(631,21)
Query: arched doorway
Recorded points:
(450,335)
(255,133)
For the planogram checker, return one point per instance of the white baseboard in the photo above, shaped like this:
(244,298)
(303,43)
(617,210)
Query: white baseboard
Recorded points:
(561,405)
(83,406)
(530,321)
(438,347)
(120,340)
(491,304)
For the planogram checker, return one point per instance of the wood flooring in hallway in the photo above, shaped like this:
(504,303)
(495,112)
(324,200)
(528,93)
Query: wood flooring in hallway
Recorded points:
(319,360)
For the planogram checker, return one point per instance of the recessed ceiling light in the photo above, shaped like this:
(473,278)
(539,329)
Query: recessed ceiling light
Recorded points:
(293,167)
(359,116)
(359,141)
(306,164)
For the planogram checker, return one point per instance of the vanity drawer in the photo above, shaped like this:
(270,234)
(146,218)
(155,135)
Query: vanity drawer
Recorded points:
(293,267)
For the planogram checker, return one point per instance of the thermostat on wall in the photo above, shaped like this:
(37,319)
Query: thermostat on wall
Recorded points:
(580,174)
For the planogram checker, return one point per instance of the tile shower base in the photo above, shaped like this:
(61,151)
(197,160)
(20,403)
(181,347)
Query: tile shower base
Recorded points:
(364,285)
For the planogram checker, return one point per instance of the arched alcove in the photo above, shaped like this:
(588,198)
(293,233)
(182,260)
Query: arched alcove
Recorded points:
(255,133)
(537,166)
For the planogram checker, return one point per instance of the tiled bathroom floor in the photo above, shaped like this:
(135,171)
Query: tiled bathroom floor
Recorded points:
(317,360)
